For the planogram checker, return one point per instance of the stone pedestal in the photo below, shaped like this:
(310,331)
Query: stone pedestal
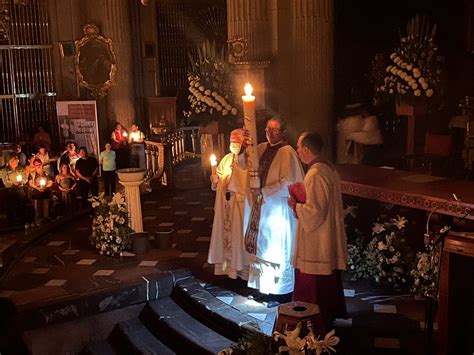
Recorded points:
(131,179)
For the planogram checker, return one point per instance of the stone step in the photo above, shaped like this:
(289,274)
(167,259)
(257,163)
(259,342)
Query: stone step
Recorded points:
(179,330)
(216,314)
(99,348)
(132,337)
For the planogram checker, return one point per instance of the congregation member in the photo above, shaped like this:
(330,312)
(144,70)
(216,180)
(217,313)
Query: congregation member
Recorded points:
(22,161)
(66,184)
(40,184)
(119,145)
(13,176)
(108,161)
(31,165)
(321,245)
(43,155)
(70,156)
(227,251)
(136,141)
(87,169)
(271,225)
(41,138)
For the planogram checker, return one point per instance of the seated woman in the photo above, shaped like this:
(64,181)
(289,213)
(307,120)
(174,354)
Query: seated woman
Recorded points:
(43,155)
(66,184)
(40,183)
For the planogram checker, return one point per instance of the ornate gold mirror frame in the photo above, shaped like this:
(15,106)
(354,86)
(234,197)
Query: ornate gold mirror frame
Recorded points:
(95,61)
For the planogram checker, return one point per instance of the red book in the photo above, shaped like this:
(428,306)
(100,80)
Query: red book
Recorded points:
(297,192)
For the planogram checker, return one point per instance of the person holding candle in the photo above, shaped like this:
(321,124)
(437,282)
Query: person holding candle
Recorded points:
(230,181)
(136,142)
(13,177)
(270,224)
(66,184)
(320,242)
(40,183)
(119,145)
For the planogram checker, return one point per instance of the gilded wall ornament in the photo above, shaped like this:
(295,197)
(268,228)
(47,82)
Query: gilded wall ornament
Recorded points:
(237,48)
(95,61)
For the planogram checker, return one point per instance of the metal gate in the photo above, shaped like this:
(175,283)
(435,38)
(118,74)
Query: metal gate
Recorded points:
(27,95)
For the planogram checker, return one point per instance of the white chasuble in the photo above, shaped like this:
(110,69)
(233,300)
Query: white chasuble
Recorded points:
(270,269)
(227,249)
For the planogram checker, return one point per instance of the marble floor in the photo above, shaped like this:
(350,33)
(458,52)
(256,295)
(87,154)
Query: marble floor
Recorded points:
(64,265)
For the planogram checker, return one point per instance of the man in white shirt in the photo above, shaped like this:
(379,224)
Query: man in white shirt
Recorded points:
(136,141)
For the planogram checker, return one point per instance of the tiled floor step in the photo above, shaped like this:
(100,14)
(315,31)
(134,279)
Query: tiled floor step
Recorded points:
(180,331)
(132,337)
(201,304)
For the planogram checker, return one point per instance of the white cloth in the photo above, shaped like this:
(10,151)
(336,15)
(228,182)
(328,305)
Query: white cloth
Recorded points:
(227,250)
(321,243)
(353,133)
(271,270)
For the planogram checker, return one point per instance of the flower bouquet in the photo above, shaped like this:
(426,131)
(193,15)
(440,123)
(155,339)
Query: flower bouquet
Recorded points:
(110,230)
(211,95)
(415,70)
(389,258)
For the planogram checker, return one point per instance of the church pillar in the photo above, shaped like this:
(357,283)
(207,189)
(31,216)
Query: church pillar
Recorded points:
(306,51)
(112,17)
(250,20)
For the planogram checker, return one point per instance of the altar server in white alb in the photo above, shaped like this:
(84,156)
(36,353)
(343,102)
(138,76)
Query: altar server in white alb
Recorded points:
(227,250)
(271,225)
(321,245)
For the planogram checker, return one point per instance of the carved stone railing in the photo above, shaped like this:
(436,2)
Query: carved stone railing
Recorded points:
(164,151)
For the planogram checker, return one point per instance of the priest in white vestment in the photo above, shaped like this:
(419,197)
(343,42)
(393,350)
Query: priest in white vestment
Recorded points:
(270,230)
(226,249)
(321,245)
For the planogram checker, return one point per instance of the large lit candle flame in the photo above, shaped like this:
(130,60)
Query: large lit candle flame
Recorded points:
(213,160)
(42,182)
(19,178)
(248,89)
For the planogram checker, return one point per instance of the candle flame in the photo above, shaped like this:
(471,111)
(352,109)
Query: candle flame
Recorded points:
(125,134)
(42,182)
(19,178)
(213,160)
(248,89)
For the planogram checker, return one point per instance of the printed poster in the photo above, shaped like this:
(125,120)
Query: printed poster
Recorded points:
(77,121)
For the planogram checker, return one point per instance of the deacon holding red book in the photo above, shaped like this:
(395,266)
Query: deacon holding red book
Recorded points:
(320,245)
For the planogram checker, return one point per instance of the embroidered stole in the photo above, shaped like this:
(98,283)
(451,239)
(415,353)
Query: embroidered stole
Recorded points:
(251,234)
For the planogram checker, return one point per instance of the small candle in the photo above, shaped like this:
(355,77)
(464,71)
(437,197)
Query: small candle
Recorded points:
(42,182)
(213,164)
(125,134)
(19,178)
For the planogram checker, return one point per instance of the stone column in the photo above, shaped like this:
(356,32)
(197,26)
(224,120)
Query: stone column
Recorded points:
(112,17)
(251,20)
(134,207)
(307,85)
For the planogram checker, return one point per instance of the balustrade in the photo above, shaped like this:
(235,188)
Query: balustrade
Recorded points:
(164,151)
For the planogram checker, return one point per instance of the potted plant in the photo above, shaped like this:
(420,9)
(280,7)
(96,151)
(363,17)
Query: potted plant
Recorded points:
(415,75)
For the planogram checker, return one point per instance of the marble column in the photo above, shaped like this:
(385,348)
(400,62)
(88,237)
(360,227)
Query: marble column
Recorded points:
(112,17)
(306,47)
(134,207)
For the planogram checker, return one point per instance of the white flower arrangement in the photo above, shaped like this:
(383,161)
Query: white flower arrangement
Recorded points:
(110,230)
(211,95)
(415,70)
(388,258)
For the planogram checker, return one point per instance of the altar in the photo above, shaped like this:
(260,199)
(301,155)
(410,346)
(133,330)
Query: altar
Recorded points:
(404,188)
